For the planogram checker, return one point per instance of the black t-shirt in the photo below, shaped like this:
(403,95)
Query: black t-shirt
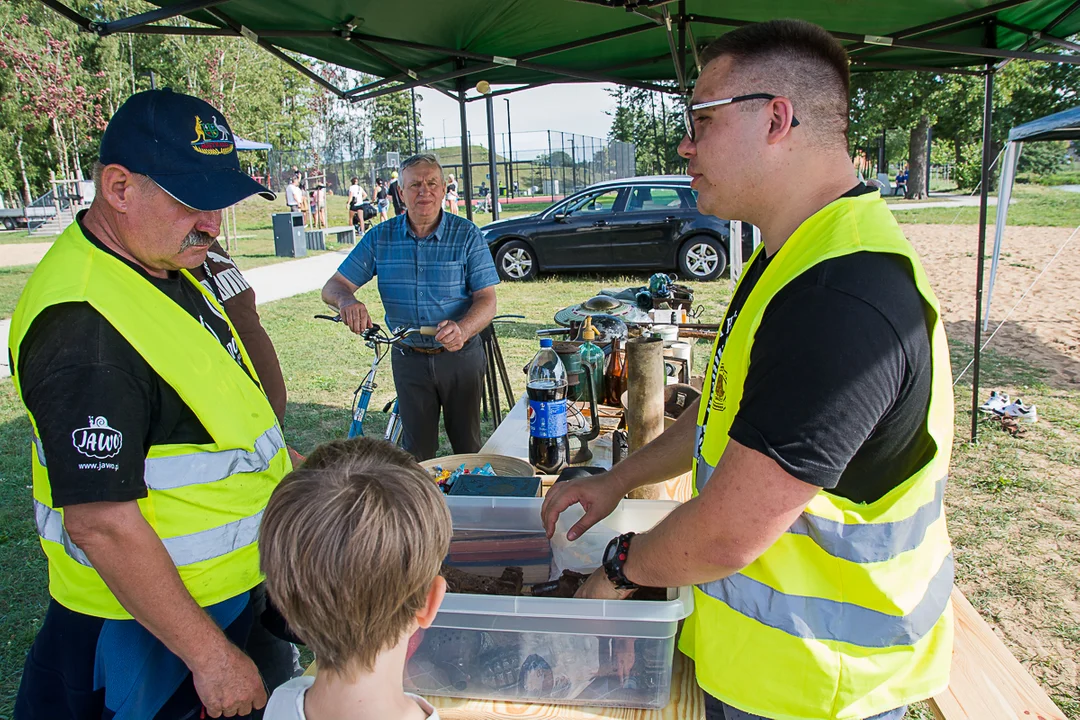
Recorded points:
(381,195)
(395,197)
(98,405)
(839,378)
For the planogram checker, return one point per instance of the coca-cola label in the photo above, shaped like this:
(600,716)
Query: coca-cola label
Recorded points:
(547,419)
(98,440)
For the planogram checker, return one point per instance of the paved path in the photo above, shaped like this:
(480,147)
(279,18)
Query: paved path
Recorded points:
(23,253)
(293,277)
(271,282)
(972,201)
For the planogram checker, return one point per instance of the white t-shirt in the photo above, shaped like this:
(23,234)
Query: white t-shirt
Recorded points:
(292,195)
(356,194)
(287,702)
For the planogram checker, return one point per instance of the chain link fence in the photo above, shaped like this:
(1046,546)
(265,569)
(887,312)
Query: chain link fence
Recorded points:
(545,164)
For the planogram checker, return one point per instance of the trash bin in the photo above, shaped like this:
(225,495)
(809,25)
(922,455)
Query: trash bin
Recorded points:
(289,238)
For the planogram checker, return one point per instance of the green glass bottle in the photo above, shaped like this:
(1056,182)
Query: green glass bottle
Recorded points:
(592,360)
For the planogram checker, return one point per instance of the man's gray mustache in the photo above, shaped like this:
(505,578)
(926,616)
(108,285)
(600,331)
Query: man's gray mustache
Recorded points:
(196,238)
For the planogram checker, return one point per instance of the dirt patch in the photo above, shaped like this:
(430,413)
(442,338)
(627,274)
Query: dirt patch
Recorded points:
(1044,329)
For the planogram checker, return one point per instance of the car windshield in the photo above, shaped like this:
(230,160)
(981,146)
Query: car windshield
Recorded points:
(602,201)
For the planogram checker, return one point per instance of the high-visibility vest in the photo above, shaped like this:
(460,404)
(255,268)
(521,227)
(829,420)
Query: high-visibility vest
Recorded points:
(204,501)
(847,614)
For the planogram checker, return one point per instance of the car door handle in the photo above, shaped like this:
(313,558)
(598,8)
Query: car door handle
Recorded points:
(670,218)
(600,223)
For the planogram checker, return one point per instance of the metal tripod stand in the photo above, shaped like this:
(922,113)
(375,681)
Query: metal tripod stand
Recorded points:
(495,375)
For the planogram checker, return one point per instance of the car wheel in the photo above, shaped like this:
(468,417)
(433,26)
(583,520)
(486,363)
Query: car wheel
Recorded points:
(516,261)
(702,258)
(9,224)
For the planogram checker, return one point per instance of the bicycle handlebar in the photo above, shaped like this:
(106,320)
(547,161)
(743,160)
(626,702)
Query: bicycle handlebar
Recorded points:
(376,335)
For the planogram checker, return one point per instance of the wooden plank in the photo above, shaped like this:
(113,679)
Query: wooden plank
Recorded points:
(512,438)
(686,703)
(987,682)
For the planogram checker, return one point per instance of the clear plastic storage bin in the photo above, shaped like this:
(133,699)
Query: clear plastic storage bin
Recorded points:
(549,650)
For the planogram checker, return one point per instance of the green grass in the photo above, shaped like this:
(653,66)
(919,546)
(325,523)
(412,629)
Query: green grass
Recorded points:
(12,281)
(1062,178)
(1032,205)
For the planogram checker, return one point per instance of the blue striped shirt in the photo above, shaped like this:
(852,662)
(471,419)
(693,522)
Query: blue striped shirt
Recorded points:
(422,281)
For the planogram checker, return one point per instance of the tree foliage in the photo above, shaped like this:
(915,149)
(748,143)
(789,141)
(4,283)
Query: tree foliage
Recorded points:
(59,86)
(653,123)
(953,104)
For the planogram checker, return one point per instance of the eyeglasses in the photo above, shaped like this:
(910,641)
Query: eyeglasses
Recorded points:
(688,118)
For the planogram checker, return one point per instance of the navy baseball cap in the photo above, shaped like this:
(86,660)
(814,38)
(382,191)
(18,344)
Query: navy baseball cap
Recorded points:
(183,144)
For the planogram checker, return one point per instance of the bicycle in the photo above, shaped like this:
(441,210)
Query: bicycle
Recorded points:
(380,343)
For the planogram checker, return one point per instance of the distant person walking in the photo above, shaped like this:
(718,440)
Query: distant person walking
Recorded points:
(320,206)
(395,194)
(293,195)
(451,194)
(382,200)
(356,197)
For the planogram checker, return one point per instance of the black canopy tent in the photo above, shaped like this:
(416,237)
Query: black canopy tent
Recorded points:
(527,43)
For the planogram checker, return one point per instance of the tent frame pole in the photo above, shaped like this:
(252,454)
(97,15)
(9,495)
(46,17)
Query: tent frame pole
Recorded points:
(163,13)
(493,169)
(941,25)
(892,41)
(465,179)
(980,255)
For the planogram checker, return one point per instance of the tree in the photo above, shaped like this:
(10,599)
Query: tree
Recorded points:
(392,123)
(649,120)
(907,100)
(53,90)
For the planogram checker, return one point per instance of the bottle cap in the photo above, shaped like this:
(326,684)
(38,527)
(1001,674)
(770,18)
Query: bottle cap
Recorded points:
(545,342)
(588,332)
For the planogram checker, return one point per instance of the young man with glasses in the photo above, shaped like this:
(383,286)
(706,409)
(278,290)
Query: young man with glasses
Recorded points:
(816,538)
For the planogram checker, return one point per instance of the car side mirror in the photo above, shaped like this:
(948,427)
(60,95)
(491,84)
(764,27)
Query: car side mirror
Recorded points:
(560,216)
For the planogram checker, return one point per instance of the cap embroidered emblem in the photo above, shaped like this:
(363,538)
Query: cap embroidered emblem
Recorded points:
(211,138)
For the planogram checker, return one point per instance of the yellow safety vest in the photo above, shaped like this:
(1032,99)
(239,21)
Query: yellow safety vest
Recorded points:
(847,615)
(205,502)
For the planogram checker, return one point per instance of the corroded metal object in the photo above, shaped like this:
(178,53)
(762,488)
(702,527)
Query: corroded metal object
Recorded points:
(537,679)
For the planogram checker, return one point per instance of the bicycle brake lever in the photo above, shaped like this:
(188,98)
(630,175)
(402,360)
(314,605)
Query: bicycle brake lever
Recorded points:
(331,318)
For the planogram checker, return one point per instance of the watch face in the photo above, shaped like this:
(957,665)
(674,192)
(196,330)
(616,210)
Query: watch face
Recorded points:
(610,550)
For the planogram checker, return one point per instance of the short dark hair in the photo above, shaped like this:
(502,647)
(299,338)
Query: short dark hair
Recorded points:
(355,180)
(798,60)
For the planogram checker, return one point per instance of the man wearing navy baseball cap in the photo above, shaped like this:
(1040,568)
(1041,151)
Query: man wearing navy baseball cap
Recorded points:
(155,448)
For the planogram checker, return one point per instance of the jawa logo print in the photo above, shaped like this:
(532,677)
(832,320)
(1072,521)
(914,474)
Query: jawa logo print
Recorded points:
(211,138)
(98,441)
(719,395)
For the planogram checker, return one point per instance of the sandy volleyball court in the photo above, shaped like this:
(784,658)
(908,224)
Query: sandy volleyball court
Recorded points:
(1044,330)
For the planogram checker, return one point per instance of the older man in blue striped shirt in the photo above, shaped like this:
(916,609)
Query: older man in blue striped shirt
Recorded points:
(433,268)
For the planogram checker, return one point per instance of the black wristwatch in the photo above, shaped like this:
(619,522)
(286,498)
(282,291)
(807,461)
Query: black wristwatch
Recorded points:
(615,560)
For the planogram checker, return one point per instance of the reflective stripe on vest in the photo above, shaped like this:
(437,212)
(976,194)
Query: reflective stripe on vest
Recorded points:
(40,450)
(872,542)
(812,618)
(183,549)
(175,471)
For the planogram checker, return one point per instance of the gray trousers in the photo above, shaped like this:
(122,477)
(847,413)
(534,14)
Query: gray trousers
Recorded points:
(718,710)
(450,383)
